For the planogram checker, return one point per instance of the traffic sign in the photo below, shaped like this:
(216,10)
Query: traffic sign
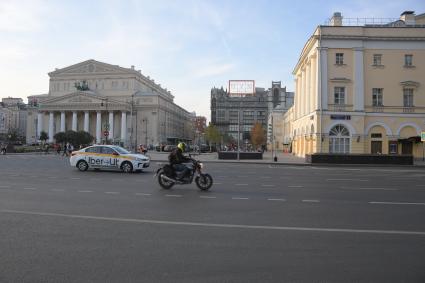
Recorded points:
(106,133)
(423,136)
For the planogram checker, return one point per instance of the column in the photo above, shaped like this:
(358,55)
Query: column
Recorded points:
(39,124)
(62,121)
(358,96)
(74,121)
(123,126)
(51,134)
(323,77)
(98,127)
(86,121)
(111,125)
(303,92)
(307,89)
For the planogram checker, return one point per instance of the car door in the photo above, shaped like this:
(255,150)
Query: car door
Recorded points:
(110,158)
(93,157)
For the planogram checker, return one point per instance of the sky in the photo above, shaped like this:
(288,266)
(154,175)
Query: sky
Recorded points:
(187,46)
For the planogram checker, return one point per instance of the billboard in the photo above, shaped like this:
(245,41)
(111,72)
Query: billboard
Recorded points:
(241,87)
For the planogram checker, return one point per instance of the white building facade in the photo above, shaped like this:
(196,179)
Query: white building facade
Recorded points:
(114,104)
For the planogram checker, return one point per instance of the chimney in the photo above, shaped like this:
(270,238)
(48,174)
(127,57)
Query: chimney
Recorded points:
(408,17)
(336,19)
(132,67)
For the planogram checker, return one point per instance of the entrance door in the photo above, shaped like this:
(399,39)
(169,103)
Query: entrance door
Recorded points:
(376,147)
(407,148)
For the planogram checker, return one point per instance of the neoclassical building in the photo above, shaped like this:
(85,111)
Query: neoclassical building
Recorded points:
(112,103)
(360,88)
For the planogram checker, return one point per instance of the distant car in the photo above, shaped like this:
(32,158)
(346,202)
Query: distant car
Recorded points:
(109,157)
(169,148)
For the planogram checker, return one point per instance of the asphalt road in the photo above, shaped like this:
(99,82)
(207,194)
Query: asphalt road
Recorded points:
(258,223)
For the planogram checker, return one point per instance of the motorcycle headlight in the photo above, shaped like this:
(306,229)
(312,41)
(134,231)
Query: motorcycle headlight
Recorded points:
(201,165)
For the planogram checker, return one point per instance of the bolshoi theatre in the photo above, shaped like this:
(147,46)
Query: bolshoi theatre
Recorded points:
(114,104)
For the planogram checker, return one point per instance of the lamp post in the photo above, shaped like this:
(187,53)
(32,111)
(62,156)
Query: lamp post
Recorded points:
(145,120)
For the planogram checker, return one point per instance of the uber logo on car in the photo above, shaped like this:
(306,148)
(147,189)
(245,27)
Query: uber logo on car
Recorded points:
(103,162)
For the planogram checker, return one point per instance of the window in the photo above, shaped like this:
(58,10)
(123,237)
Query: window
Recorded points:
(94,149)
(339,58)
(377,97)
(339,140)
(233,128)
(408,60)
(393,147)
(377,59)
(408,97)
(339,95)
(107,150)
(376,135)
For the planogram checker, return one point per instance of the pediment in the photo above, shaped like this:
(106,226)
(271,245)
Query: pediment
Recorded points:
(91,67)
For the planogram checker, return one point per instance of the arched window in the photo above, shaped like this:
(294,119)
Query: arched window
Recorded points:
(339,140)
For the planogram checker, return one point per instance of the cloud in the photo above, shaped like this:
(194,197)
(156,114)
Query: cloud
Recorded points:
(21,16)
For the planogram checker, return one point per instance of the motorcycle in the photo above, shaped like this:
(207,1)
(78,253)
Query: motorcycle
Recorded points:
(167,176)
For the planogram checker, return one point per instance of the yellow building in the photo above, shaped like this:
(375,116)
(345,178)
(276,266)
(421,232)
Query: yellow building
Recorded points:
(360,89)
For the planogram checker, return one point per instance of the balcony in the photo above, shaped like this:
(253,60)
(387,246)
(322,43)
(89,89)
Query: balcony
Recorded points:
(394,109)
(340,107)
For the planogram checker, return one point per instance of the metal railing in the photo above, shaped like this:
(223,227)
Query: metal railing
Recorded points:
(363,21)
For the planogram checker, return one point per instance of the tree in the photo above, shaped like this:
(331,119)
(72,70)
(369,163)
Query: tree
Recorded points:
(12,135)
(44,136)
(60,137)
(258,135)
(75,138)
(212,135)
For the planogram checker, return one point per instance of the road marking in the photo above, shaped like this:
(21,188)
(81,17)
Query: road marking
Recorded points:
(381,189)
(276,199)
(238,198)
(241,184)
(397,203)
(174,196)
(32,189)
(310,200)
(206,197)
(360,180)
(85,191)
(295,186)
(218,225)
(4,187)
(268,185)
(142,194)
(112,193)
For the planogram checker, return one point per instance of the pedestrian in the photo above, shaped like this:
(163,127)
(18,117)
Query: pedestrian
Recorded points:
(70,149)
(65,149)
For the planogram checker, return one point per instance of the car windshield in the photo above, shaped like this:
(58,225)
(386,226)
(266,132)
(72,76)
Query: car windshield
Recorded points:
(121,150)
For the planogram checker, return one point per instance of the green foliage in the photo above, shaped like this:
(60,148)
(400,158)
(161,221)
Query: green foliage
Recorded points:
(258,135)
(212,135)
(60,137)
(44,136)
(12,135)
(74,138)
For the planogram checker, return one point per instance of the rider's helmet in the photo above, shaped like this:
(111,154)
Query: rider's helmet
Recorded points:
(182,146)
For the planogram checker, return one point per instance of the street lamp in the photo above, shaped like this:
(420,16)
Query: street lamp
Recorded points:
(145,120)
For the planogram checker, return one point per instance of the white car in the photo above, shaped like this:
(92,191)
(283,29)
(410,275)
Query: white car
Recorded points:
(109,157)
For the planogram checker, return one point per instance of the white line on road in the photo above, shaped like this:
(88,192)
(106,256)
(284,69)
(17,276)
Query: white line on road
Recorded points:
(238,198)
(360,180)
(310,200)
(31,189)
(217,225)
(174,196)
(381,189)
(268,185)
(85,191)
(276,199)
(112,193)
(142,194)
(207,197)
(397,203)
(4,187)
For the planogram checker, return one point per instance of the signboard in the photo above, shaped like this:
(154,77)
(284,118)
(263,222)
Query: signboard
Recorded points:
(423,136)
(106,133)
(340,117)
(241,87)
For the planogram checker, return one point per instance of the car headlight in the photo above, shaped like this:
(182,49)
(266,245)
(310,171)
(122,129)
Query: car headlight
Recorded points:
(142,159)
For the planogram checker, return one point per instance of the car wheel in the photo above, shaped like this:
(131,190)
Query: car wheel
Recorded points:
(82,165)
(127,167)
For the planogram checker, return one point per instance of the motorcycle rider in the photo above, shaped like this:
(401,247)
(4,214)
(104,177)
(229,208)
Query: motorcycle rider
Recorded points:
(177,159)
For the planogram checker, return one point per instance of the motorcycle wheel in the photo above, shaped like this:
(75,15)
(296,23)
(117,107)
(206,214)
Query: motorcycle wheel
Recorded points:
(204,182)
(163,183)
